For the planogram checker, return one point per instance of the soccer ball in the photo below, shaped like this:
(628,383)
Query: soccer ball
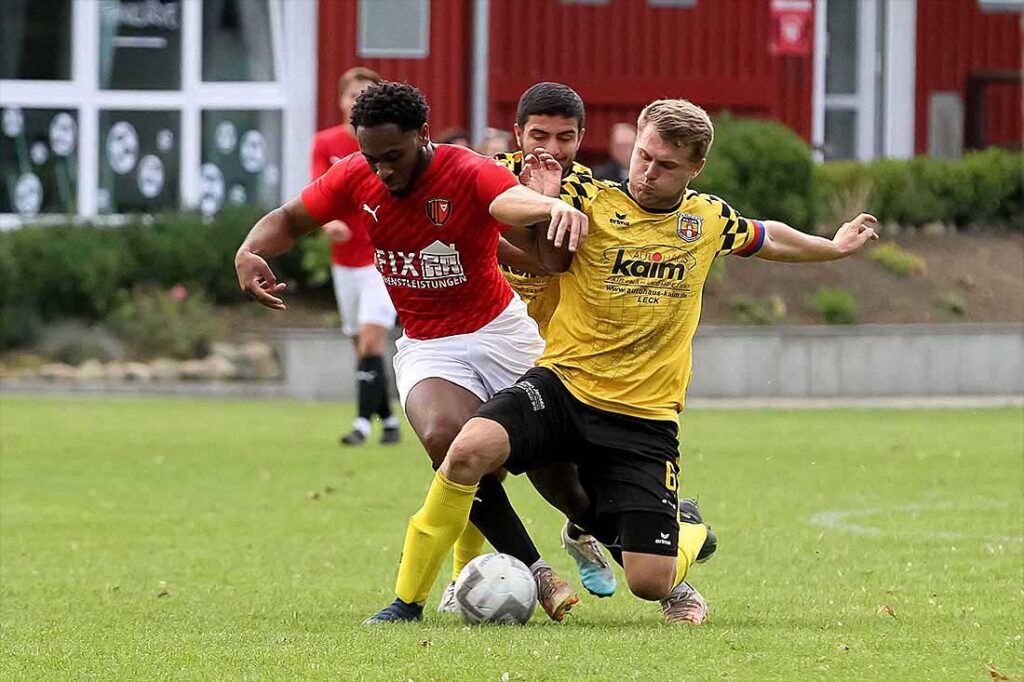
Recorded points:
(496,588)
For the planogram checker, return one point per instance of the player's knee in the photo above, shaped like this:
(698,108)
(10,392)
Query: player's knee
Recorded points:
(437,438)
(650,585)
(480,448)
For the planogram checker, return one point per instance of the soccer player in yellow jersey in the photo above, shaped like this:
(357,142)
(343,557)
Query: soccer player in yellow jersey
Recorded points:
(608,389)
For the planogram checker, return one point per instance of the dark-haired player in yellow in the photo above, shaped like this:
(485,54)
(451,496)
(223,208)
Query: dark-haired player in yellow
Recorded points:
(608,389)
(549,116)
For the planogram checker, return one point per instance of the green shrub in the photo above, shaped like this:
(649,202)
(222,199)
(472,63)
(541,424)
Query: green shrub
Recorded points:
(762,169)
(82,271)
(900,262)
(316,259)
(161,322)
(985,187)
(756,310)
(835,306)
(952,302)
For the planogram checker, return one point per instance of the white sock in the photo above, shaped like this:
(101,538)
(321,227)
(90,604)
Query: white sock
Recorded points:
(391,422)
(362,425)
(537,565)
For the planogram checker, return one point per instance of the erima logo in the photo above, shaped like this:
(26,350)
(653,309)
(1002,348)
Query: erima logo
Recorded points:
(655,268)
(663,540)
(372,211)
(619,219)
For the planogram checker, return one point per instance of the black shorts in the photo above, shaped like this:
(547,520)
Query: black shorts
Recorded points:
(628,466)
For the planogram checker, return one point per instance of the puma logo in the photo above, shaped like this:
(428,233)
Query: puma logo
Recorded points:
(372,211)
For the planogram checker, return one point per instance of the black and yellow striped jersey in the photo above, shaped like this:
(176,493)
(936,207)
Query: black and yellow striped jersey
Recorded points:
(620,337)
(540,292)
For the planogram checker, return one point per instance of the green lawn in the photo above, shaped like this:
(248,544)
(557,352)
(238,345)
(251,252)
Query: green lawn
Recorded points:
(168,538)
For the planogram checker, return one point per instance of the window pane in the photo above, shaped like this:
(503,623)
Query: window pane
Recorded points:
(841,62)
(38,160)
(237,41)
(140,45)
(35,39)
(139,161)
(840,134)
(394,28)
(241,159)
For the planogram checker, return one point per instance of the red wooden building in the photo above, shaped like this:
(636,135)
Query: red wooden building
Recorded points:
(857,78)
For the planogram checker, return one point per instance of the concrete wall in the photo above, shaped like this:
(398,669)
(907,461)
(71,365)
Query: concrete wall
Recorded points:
(750,362)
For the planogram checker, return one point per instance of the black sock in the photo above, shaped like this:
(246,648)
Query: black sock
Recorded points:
(369,382)
(384,408)
(493,514)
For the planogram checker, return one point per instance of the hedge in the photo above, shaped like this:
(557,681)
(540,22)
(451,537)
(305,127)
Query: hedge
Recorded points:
(984,188)
(79,271)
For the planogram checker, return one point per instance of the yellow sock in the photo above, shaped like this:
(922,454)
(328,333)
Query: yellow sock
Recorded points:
(691,539)
(469,546)
(431,532)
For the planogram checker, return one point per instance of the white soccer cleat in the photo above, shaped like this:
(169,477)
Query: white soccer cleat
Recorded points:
(447,603)
(684,605)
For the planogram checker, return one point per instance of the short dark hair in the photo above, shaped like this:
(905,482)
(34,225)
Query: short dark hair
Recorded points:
(550,99)
(390,102)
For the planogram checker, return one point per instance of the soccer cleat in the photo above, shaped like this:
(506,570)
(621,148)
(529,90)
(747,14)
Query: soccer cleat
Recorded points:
(684,605)
(353,437)
(689,513)
(447,603)
(596,572)
(554,593)
(397,612)
(390,436)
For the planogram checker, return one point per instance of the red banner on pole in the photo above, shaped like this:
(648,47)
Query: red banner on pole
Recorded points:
(792,27)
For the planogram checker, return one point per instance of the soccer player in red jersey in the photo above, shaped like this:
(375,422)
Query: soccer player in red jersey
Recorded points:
(367,314)
(434,214)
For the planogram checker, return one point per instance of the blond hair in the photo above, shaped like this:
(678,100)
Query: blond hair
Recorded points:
(357,73)
(680,122)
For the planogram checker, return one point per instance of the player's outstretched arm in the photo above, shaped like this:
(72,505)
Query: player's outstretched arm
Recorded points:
(272,235)
(785,244)
(520,206)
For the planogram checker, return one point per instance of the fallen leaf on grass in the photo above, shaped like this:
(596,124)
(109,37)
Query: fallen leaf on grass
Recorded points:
(843,647)
(995,674)
(886,610)
(425,643)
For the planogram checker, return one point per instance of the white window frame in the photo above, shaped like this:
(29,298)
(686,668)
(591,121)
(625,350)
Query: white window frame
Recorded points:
(886,130)
(83,94)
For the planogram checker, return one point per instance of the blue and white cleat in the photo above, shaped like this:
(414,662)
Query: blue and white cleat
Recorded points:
(397,612)
(596,572)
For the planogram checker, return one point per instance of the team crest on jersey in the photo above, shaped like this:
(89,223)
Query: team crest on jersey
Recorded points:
(439,210)
(688,227)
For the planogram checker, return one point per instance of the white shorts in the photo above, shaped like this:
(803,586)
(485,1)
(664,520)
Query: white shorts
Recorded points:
(482,362)
(362,298)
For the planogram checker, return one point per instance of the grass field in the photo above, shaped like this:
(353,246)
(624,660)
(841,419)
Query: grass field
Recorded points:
(164,538)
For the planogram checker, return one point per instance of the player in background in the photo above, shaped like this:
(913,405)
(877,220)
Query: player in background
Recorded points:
(433,214)
(607,392)
(367,315)
(549,116)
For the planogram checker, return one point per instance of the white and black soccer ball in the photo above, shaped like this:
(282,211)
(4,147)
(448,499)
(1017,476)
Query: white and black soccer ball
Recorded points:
(496,588)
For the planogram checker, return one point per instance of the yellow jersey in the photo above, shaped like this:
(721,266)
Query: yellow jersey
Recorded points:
(621,335)
(541,292)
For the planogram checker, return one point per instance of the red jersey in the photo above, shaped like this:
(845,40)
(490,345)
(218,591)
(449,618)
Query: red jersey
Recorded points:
(437,246)
(329,147)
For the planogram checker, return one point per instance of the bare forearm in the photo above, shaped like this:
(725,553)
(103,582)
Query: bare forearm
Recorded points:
(787,245)
(520,206)
(276,232)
